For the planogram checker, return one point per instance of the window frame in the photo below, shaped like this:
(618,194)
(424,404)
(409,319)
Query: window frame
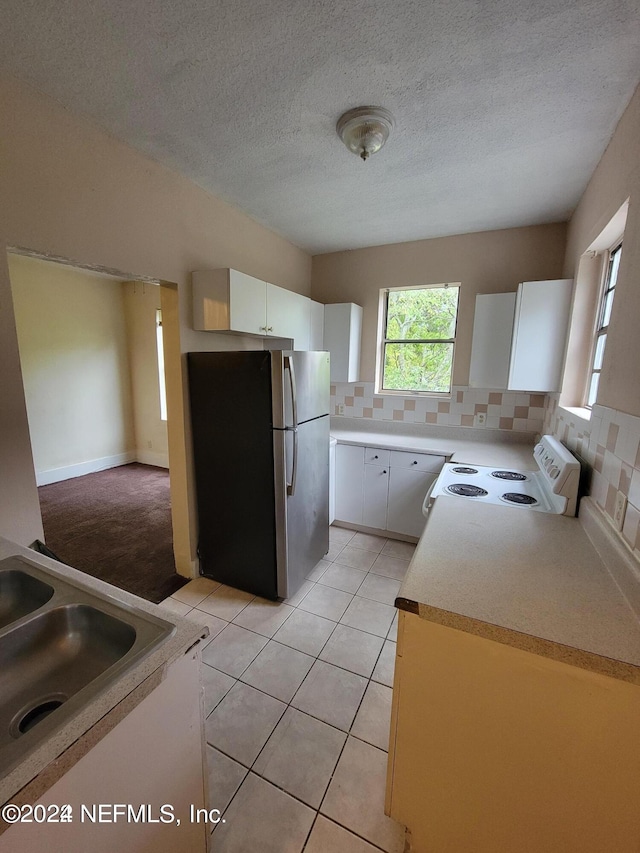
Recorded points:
(601,329)
(162,387)
(383,341)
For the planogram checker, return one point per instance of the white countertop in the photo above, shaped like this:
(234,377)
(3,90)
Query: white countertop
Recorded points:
(186,634)
(529,579)
(459,444)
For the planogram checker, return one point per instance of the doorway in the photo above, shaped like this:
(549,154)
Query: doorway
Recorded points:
(94,384)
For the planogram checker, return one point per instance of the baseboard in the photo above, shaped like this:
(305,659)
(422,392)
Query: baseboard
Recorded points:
(148,457)
(56,475)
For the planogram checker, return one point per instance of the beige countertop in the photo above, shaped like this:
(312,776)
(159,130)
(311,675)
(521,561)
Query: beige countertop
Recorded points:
(529,579)
(111,702)
(457,444)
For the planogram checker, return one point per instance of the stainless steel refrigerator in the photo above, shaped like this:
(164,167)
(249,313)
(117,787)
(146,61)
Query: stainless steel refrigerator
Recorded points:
(260,426)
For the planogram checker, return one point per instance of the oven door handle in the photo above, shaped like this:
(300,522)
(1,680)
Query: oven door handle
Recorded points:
(427,498)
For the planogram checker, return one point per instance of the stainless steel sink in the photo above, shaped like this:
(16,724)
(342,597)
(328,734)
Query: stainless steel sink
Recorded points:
(20,594)
(60,646)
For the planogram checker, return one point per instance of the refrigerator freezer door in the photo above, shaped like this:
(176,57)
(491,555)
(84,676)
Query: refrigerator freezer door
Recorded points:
(302,519)
(231,410)
(303,377)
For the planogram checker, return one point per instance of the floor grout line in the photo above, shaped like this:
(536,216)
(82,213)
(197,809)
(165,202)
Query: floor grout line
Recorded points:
(316,658)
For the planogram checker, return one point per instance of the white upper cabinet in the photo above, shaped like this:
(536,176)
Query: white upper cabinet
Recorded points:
(491,345)
(519,338)
(539,335)
(226,300)
(316,326)
(342,334)
(288,315)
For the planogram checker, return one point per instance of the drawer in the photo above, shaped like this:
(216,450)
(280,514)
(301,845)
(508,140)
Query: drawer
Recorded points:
(417,461)
(376,456)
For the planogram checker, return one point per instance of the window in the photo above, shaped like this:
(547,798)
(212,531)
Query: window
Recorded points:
(602,325)
(418,338)
(161,382)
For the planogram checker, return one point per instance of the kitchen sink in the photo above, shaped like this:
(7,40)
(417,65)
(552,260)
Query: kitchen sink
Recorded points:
(20,594)
(61,645)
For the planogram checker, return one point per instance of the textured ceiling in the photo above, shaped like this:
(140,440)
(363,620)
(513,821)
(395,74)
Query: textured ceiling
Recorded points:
(502,107)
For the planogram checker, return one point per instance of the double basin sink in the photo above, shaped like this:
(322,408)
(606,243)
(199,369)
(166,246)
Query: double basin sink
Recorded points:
(61,645)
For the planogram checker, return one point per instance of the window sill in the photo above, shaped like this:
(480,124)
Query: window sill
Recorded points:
(577,412)
(414,395)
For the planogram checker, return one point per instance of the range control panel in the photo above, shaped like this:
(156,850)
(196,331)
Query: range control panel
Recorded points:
(560,468)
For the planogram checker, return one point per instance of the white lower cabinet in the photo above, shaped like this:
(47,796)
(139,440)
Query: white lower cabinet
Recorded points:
(376,491)
(407,488)
(383,489)
(153,758)
(349,483)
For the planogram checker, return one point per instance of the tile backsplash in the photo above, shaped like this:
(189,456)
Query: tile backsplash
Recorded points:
(511,410)
(609,445)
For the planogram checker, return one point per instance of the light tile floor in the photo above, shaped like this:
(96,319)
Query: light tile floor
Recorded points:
(298,703)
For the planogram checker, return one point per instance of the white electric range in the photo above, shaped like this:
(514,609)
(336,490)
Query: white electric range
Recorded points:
(552,488)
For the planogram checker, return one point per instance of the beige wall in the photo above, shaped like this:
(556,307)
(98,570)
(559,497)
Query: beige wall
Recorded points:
(485,262)
(75,366)
(141,301)
(608,442)
(616,178)
(70,190)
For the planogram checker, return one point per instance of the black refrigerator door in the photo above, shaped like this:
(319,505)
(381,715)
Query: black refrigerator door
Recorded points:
(231,423)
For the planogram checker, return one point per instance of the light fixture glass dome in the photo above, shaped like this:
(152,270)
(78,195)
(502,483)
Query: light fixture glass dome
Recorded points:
(364,130)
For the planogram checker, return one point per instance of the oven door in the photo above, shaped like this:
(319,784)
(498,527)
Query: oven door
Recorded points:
(426,503)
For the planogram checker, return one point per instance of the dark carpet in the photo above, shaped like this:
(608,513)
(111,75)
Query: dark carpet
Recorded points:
(116,526)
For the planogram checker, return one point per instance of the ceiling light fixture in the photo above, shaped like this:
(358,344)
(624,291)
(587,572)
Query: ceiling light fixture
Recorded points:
(364,130)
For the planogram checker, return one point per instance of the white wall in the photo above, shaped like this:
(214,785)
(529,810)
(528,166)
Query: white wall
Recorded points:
(75,364)
(141,301)
(70,190)
(608,441)
(485,262)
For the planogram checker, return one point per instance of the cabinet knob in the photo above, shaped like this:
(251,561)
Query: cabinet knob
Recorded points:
(375,457)
(385,471)
(263,328)
(269,328)
(414,462)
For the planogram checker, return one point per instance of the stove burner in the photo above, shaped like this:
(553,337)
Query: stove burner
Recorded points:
(508,475)
(519,498)
(463,470)
(467,490)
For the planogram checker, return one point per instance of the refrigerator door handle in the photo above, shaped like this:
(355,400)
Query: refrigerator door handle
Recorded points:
(288,365)
(291,487)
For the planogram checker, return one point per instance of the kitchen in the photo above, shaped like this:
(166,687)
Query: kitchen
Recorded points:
(178,228)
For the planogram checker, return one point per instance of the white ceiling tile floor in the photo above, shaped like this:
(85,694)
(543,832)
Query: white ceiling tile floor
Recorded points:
(342,577)
(233,650)
(297,747)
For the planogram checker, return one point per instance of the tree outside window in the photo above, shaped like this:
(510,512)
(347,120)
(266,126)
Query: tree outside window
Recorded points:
(419,338)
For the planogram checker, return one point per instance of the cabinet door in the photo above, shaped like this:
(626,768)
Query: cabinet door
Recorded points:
(342,334)
(539,335)
(349,483)
(316,326)
(376,487)
(407,488)
(288,315)
(491,345)
(248,303)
